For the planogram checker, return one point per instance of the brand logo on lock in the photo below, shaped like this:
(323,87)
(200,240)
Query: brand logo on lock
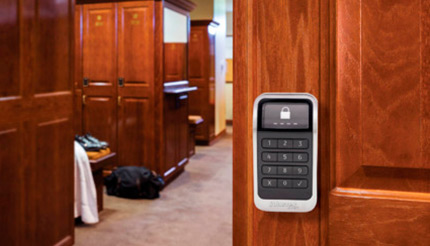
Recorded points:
(285,113)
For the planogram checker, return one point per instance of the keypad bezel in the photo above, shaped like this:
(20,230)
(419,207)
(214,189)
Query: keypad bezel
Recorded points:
(283,203)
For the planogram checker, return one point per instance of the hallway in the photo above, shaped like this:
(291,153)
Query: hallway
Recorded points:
(195,209)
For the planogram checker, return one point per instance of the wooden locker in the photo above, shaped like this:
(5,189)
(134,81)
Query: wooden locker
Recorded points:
(36,122)
(99,80)
(201,70)
(135,93)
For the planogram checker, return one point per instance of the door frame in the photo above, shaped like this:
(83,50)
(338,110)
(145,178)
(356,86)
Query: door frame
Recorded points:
(245,90)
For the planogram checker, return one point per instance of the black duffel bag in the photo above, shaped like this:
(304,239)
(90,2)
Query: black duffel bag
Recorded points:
(134,182)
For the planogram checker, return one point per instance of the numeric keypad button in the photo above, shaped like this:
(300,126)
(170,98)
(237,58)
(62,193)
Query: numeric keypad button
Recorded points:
(269,143)
(300,170)
(285,143)
(269,170)
(300,144)
(285,157)
(300,157)
(301,184)
(268,156)
(285,170)
(269,183)
(285,183)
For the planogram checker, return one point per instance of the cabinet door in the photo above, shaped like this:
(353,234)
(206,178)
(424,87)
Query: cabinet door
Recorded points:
(171,132)
(136,68)
(382,183)
(175,61)
(36,122)
(182,129)
(99,67)
(369,67)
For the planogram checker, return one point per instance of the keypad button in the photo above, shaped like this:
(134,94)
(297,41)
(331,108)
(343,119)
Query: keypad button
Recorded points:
(300,170)
(269,170)
(269,183)
(268,156)
(270,143)
(300,157)
(285,157)
(300,144)
(301,184)
(285,170)
(285,143)
(285,183)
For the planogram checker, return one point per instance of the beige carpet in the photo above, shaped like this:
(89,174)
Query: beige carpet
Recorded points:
(195,209)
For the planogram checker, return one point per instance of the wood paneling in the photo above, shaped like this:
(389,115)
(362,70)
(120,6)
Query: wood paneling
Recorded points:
(176,134)
(50,153)
(52,33)
(100,118)
(134,128)
(36,137)
(118,43)
(366,61)
(99,44)
(136,65)
(281,47)
(382,76)
(175,61)
(78,76)
(201,67)
(136,43)
(99,63)
(9,47)
(390,83)
(363,221)
(10,135)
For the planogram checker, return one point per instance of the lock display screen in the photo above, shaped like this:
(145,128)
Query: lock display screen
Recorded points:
(285,115)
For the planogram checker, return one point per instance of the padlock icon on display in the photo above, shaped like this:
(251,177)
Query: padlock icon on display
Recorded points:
(285,113)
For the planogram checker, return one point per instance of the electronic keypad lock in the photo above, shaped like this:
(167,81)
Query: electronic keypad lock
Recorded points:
(285,136)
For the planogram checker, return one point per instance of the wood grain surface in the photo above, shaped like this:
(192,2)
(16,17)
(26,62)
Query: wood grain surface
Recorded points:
(277,49)
(36,122)
(367,62)
(201,72)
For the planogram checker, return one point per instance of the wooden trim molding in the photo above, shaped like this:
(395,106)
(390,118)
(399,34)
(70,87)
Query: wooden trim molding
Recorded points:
(204,23)
(183,4)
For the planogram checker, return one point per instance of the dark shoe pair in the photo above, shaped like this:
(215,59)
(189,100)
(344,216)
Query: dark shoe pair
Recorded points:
(103,144)
(87,144)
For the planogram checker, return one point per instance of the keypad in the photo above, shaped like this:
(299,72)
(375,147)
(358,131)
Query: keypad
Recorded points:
(285,163)
(270,143)
(285,143)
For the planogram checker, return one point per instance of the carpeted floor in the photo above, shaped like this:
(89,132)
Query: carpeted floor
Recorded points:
(195,209)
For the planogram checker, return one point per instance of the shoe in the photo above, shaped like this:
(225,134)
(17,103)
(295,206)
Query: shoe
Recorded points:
(103,144)
(86,144)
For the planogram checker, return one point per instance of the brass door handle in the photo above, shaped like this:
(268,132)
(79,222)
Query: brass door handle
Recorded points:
(83,100)
(119,101)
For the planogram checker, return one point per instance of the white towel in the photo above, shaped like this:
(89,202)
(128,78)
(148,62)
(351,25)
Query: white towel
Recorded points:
(85,190)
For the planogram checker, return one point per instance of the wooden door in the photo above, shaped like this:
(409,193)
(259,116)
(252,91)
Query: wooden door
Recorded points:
(136,68)
(171,135)
(382,108)
(176,134)
(201,70)
(99,72)
(36,124)
(183,130)
(197,71)
(367,63)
